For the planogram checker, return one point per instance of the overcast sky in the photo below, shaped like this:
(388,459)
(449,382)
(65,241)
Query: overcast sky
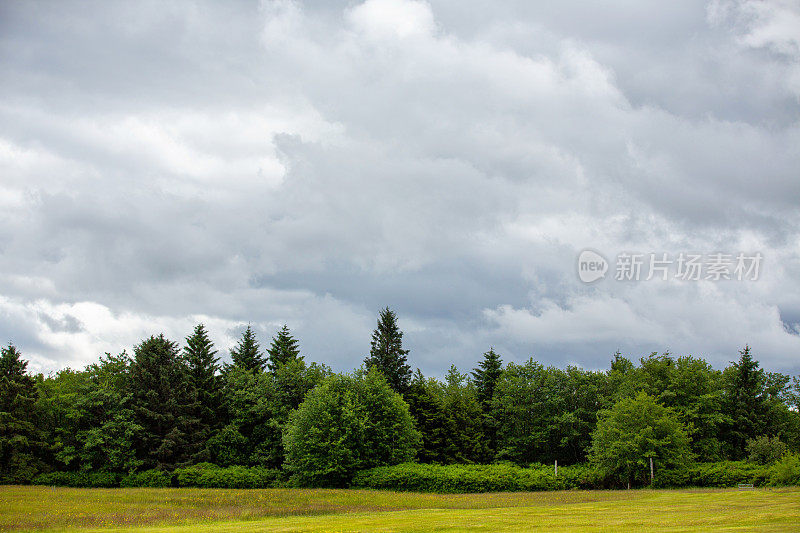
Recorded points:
(308,163)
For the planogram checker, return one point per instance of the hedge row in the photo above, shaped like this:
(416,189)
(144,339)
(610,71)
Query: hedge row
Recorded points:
(203,475)
(731,473)
(509,478)
(477,478)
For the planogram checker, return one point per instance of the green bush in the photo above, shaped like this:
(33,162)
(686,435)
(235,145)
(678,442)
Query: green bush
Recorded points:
(207,475)
(476,478)
(786,471)
(720,474)
(78,479)
(764,450)
(346,424)
(148,478)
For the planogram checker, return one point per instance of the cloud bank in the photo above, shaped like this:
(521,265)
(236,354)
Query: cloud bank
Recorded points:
(310,163)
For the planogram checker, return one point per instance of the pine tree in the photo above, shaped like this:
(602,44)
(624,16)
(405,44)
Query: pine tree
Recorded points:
(162,400)
(486,375)
(246,355)
(426,408)
(387,353)
(284,348)
(202,366)
(20,438)
(485,378)
(745,402)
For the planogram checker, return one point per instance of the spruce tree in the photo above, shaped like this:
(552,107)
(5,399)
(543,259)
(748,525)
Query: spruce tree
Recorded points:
(246,355)
(426,408)
(284,348)
(162,400)
(485,378)
(202,366)
(486,375)
(745,402)
(387,353)
(20,438)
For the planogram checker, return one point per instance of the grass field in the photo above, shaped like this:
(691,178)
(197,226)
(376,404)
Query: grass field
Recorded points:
(42,508)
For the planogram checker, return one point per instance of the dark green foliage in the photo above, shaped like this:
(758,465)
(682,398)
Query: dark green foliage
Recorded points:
(744,403)
(202,369)
(79,479)
(284,348)
(21,444)
(387,353)
(633,431)
(148,478)
(427,410)
(485,378)
(764,450)
(247,354)
(206,475)
(162,401)
(463,431)
(348,423)
(529,400)
(259,405)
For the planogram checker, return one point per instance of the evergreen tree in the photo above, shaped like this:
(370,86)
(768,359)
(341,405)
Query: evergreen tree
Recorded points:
(387,353)
(162,400)
(745,402)
(20,438)
(485,378)
(283,349)
(486,375)
(427,411)
(246,355)
(202,365)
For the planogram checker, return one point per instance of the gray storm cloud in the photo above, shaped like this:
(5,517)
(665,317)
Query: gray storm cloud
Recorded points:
(311,163)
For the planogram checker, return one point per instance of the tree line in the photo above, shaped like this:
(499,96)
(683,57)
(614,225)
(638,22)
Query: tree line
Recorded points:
(167,406)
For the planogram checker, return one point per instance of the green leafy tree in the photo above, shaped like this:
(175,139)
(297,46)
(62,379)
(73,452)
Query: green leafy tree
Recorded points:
(202,372)
(463,436)
(21,442)
(259,405)
(348,423)
(247,354)
(633,431)
(529,400)
(162,401)
(387,353)
(284,348)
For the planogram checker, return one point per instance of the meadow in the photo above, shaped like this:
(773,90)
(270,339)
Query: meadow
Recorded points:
(26,508)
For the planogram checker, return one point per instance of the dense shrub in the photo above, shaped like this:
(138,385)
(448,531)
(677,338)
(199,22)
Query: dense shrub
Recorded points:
(764,450)
(476,478)
(79,479)
(148,478)
(721,474)
(786,471)
(234,477)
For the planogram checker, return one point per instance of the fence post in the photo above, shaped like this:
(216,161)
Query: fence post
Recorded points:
(651,470)
(556,467)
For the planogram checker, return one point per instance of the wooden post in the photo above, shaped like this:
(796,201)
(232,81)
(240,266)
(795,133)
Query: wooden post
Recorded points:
(556,467)
(651,470)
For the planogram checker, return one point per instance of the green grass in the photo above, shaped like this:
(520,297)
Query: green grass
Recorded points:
(44,508)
